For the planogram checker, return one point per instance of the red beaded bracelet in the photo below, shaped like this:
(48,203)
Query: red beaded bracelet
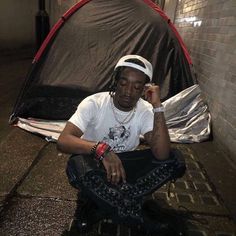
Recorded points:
(101,150)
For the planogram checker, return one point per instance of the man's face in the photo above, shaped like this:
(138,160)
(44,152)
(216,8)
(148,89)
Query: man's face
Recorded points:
(129,89)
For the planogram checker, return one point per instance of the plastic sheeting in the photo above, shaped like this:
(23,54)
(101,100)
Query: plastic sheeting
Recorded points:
(186,114)
(49,129)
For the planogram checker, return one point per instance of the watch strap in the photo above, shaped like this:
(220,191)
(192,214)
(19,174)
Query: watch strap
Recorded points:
(159,109)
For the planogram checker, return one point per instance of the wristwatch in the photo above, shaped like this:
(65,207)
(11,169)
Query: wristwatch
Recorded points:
(159,109)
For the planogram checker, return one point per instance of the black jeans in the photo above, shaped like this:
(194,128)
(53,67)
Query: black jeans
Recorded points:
(144,175)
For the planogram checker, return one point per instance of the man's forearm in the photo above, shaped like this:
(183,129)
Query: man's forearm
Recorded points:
(160,141)
(74,145)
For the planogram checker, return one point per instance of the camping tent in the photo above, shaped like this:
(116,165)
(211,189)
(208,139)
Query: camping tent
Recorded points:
(78,56)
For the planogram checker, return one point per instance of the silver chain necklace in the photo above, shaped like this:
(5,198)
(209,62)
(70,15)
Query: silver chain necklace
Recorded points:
(127,119)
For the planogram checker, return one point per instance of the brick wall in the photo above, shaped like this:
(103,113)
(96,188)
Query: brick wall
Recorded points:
(208,28)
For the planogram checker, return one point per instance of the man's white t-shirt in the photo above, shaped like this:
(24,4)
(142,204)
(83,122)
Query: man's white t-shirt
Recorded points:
(97,117)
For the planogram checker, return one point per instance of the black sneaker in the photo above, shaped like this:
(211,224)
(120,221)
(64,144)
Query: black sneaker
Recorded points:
(167,222)
(87,214)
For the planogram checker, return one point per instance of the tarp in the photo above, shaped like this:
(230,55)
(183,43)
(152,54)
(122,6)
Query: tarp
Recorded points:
(187,116)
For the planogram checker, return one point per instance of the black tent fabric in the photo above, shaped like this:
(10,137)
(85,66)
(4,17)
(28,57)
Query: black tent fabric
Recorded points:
(80,52)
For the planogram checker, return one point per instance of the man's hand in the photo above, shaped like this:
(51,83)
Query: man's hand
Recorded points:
(114,168)
(153,95)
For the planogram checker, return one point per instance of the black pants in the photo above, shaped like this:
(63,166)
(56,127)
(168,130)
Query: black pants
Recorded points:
(144,175)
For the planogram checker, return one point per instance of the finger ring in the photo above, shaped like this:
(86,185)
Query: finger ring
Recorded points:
(113,174)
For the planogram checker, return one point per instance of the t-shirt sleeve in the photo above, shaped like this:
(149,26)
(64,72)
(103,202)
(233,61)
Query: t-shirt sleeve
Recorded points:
(147,121)
(84,114)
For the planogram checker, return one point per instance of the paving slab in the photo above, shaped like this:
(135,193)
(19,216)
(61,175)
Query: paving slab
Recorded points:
(221,171)
(204,225)
(194,191)
(36,216)
(48,178)
(17,154)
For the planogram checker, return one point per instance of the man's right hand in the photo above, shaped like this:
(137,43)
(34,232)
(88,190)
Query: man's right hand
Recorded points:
(114,168)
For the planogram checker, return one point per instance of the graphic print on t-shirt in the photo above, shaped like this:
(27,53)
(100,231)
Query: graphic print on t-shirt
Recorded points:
(117,138)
